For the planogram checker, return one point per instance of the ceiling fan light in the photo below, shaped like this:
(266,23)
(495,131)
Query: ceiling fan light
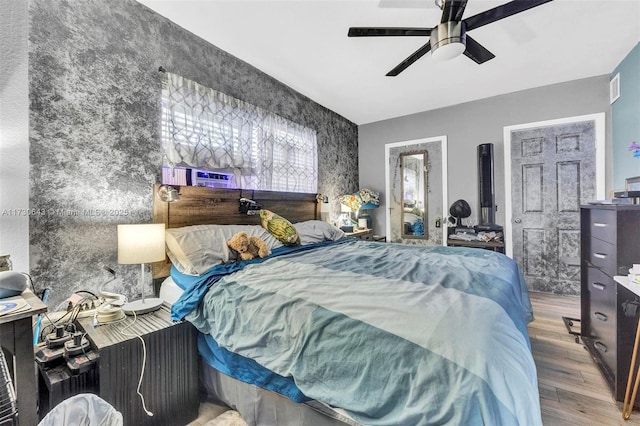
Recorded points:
(447,41)
(448,51)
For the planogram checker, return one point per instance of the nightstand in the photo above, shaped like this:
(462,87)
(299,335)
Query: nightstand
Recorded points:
(16,335)
(170,382)
(487,245)
(363,234)
(497,246)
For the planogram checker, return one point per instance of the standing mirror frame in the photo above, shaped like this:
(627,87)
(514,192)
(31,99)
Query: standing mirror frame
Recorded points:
(436,191)
(415,205)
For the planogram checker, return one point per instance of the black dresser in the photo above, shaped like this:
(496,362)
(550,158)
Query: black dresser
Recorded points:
(610,245)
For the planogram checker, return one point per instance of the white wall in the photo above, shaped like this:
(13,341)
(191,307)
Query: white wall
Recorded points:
(14,132)
(471,124)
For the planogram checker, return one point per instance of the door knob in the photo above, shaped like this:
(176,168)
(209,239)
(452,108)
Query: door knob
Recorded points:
(517,220)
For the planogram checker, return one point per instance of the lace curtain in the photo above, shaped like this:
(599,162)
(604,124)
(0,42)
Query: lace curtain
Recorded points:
(206,129)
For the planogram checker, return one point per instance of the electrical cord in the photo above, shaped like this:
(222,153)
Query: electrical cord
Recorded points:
(67,303)
(88,292)
(72,315)
(106,268)
(45,331)
(144,361)
(107,314)
(78,307)
(72,312)
(111,311)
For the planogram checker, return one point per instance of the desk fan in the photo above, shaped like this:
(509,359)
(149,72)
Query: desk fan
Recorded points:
(459,210)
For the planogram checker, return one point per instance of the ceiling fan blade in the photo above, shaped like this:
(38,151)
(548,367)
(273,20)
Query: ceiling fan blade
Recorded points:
(385,32)
(477,52)
(501,12)
(452,10)
(410,60)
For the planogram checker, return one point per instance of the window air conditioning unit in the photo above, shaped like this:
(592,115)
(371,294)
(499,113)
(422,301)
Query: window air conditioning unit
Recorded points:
(211,179)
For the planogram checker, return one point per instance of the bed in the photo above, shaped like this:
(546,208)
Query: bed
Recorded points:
(344,331)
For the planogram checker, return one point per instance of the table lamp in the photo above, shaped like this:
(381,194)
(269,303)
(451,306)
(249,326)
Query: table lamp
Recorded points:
(140,244)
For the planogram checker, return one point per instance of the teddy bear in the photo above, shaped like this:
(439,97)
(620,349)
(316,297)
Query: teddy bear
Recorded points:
(248,247)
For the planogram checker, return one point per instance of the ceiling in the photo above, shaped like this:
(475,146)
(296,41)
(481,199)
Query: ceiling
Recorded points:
(304,44)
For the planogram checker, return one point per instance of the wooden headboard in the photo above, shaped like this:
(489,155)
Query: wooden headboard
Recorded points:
(201,206)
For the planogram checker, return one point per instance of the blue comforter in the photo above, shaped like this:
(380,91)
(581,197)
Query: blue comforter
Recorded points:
(389,333)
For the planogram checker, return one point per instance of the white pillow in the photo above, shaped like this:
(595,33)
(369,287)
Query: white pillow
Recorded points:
(195,249)
(315,231)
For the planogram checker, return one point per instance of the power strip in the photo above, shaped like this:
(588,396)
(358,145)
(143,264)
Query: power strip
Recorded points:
(52,317)
(86,309)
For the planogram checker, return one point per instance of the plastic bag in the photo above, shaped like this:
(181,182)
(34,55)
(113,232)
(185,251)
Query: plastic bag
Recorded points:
(85,409)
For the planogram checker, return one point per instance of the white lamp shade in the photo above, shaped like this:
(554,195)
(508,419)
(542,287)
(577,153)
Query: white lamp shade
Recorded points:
(141,243)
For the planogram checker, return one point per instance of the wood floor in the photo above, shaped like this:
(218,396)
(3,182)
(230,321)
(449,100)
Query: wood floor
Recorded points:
(572,391)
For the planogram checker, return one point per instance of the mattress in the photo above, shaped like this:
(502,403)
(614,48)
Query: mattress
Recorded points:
(386,333)
(259,407)
(170,292)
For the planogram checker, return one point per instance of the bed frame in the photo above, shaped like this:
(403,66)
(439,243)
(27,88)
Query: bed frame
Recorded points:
(202,205)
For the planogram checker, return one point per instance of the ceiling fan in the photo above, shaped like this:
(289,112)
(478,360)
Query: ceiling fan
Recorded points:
(449,39)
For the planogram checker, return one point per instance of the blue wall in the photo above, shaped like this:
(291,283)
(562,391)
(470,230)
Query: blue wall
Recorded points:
(625,113)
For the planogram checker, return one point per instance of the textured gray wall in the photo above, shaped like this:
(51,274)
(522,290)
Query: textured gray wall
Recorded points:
(470,124)
(95,150)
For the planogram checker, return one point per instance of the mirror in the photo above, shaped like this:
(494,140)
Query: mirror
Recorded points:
(432,154)
(414,194)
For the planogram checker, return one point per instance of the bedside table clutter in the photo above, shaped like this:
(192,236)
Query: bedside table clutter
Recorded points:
(366,234)
(476,238)
(115,360)
(66,368)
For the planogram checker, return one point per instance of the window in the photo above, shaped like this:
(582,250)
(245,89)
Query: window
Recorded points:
(207,129)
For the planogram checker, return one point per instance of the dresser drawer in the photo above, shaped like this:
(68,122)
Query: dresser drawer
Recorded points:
(603,225)
(603,326)
(602,290)
(607,351)
(603,336)
(602,255)
(602,315)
